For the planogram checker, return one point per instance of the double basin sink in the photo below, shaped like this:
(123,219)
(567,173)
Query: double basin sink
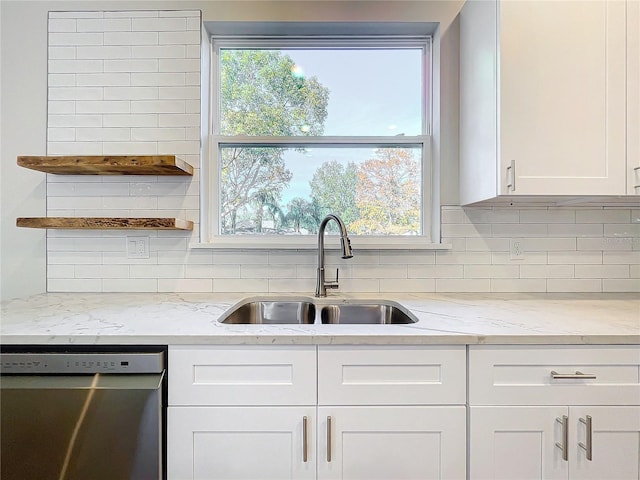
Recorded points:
(270,311)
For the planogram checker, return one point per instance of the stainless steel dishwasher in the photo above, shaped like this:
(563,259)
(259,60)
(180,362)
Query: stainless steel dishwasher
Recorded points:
(82,415)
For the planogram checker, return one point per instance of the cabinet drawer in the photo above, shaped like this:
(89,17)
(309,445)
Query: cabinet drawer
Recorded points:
(396,375)
(251,375)
(522,375)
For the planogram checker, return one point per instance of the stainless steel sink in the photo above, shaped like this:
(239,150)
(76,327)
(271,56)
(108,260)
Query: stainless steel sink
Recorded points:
(271,312)
(370,314)
(302,311)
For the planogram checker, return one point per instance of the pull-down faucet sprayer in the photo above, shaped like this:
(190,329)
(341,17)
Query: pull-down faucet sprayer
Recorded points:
(345,243)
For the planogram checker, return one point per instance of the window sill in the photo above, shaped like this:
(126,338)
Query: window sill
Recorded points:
(311,243)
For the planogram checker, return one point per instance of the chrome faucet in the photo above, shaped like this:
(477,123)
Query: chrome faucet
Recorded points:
(345,243)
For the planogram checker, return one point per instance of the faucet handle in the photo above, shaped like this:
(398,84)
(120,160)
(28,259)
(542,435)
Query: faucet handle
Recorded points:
(333,283)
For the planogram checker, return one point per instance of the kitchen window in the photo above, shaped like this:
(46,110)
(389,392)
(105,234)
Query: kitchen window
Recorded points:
(305,126)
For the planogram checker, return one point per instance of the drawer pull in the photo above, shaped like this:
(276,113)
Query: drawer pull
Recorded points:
(572,376)
(329,439)
(564,446)
(589,446)
(304,439)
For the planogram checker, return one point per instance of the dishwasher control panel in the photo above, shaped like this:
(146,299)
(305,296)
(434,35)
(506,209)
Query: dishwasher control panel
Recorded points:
(81,363)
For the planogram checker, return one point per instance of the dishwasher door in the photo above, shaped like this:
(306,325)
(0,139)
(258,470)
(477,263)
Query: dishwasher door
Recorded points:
(81,427)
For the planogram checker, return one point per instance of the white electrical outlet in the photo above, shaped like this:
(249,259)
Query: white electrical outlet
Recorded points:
(515,249)
(137,247)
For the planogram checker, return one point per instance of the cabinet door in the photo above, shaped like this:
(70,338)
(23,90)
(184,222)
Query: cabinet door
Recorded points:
(391,443)
(562,97)
(615,443)
(246,443)
(516,442)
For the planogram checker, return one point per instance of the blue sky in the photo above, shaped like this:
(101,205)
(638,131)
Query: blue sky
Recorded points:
(372,92)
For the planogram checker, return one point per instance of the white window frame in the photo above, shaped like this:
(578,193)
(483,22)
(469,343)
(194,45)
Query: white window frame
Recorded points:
(210,207)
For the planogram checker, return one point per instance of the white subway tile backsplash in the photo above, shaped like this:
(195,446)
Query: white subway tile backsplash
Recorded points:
(61,80)
(157,134)
(75,66)
(61,135)
(211,271)
(547,271)
(463,258)
(622,230)
(575,230)
(74,120)
(75,93)
(149,65)
(491,271)
(130,93)
(619,257)
(545,215)
(163,51)
(514,285)
(158,106)
(128,83)
(574,285)
(103,134)
(73,148)
(103,52)
(104,25)
(130,148)
(519,229)
(156,271)
(463,285)
(129,285)
(103,79)
(435,271)
(130,120)
(159,24)
(75,39)
(602,271)
(61,107)
(577,258)
(131,38)
(620,285)
(100,107)
(74,285)
(602,215)
(102,271)
(62,25)
(184,93)
(158,79)
(89,14)
(62,53)
(189,37)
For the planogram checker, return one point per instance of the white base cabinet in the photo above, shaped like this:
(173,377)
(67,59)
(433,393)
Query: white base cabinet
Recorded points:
(380,413)
(249,443)
(547,413)
(391,443)
(527,443)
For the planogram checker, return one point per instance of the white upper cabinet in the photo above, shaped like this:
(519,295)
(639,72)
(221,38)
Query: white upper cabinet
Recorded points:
(633,97)
(544,98)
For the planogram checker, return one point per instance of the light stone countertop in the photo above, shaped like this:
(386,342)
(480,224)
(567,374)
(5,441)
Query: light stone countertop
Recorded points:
(172,318)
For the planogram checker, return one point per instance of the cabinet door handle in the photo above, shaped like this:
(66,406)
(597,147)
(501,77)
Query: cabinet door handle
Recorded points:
(564,446)
(572,376)
(304,439)
(589,446)
(329,439)
(511,176)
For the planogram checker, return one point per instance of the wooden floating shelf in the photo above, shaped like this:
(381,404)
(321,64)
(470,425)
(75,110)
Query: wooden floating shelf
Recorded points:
(105,223)
(108,165)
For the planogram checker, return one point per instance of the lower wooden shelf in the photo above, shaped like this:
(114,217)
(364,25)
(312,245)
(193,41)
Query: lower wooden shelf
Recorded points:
(105,223)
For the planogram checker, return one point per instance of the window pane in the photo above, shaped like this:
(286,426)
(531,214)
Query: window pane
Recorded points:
(332,92)
(274,190)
